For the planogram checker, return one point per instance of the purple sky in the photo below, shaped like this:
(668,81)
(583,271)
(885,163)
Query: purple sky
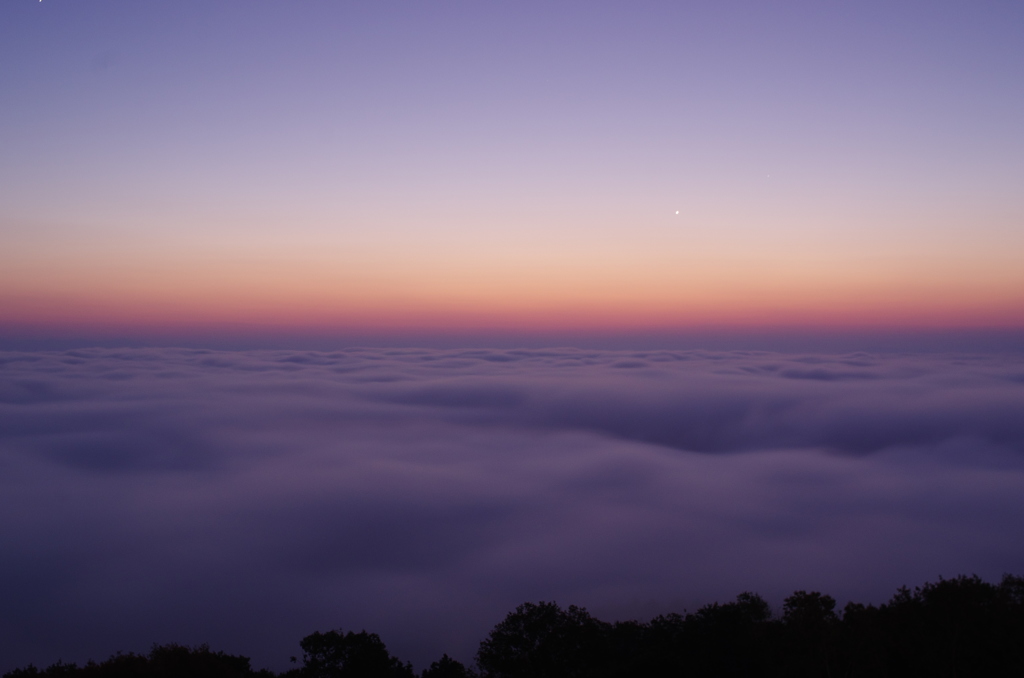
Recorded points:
(246,499)
(465,165)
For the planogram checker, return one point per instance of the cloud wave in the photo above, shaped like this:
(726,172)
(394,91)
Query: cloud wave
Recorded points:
(247,498)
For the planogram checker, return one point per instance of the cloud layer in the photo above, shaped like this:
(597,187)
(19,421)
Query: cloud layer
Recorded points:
(247,498)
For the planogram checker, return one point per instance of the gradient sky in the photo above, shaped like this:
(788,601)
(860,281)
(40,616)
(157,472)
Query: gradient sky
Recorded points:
(386,166)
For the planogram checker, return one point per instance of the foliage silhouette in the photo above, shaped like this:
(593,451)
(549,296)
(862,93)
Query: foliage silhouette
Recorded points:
(446,667)
(163,661)
(542,640)
(336,654)
(809,621)
(954,628)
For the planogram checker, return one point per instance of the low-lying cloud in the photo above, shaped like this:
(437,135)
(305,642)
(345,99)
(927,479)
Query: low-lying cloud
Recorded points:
(247,498)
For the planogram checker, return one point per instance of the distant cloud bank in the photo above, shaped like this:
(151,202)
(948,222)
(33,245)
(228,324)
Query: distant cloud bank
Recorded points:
(247,498)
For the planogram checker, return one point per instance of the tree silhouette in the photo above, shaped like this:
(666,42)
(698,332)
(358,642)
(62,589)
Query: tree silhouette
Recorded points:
(541,641)
(349,655)
(446,667)
(810,623)
(958,627)
(954,628)
(729,639)
(163,661)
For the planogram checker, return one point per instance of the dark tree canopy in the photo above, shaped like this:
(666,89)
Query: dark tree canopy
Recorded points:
(954,628)
(962,627)
(446,667)
(541,640)
(163,661)
(349,655)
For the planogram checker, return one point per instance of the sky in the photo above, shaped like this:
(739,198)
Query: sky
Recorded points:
(393,316)
(195,169)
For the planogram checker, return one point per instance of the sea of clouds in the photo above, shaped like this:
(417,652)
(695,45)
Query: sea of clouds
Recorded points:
(245,499)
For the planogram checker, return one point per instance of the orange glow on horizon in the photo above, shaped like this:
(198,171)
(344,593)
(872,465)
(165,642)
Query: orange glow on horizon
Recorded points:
(601,290)
(715,308)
